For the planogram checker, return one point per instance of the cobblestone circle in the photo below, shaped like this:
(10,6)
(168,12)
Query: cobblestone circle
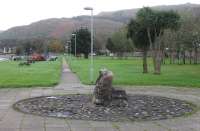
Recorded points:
(137,108)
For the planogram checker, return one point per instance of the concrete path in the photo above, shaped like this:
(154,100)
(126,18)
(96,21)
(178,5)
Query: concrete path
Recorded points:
(68,78)
(11,120)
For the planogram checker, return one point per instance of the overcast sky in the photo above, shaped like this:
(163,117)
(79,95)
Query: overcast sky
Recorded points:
(22,12)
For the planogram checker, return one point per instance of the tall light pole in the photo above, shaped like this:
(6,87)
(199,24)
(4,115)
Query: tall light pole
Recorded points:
(92,43)
(75,44)
(69,45)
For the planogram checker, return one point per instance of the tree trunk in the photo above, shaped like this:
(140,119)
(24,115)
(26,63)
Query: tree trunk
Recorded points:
(126,56)
(86,56)
(154,59)
(157,67)
(163,57)
(171,57)
(157,59)
(184,57)
(157,52)
(120,55)
(190,57)
(195,55)
(179,57)
(174,57)
(145,68)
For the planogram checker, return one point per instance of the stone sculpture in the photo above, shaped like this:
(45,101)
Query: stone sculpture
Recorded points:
(104,93)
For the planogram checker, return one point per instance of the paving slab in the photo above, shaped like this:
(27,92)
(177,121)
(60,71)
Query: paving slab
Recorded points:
(32,129)
(57,129)
(96,124)
(82,129)
(104,129)
(9,129)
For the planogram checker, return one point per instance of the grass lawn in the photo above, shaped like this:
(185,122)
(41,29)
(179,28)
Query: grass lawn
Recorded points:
(37,74)
(129,72)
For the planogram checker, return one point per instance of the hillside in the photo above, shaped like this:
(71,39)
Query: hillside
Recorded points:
(58,28)
(105,24)
(125,15)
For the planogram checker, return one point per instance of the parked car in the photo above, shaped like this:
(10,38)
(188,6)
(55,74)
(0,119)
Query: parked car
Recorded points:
(16,58)
(52,58)
(94,54)
(37,57)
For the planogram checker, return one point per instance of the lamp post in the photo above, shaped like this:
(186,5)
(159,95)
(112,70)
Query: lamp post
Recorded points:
(69,46)
(92,43)
(75,44)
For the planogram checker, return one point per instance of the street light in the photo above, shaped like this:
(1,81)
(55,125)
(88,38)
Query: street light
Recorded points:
(69,46)
(92,43)
(75,44)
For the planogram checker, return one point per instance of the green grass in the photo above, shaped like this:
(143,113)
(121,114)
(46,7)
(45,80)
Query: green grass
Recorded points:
(129,72)
(37,74)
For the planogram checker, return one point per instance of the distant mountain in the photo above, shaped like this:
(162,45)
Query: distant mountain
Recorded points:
(125,15)
(59,28)
(105,23)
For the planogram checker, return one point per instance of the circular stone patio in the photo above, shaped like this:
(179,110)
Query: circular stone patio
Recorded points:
(137,108)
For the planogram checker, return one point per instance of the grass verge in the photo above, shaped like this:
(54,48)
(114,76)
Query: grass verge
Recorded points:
(129,72)
(41,74)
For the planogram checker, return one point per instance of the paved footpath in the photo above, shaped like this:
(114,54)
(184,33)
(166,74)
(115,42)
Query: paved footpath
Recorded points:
(68,78)
(11,120)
